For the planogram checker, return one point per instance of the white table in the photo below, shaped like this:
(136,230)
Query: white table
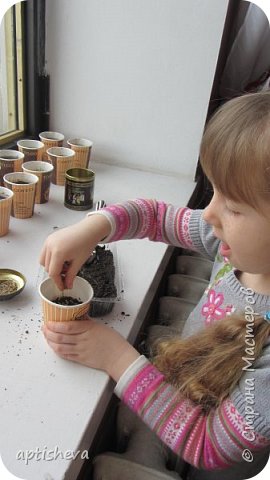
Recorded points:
(47,403)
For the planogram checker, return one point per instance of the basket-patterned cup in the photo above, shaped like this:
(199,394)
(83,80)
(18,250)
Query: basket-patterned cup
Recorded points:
(6,197)
(23,185)
(82,148)
(43,170)
(62,159)
(32,149)
(10,161)
(50,139)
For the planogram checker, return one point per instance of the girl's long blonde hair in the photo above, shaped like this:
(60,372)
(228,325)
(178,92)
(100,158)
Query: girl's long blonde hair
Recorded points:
(235,156)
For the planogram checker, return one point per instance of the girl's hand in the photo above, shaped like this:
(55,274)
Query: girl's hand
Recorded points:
(91,344)
(65,251)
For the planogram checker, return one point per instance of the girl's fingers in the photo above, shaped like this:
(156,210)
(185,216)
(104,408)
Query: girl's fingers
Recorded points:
(70,274)
(70,328)
(55,270)
(63,349)
(64,334)
(42,256)
(47,260)
(59,338)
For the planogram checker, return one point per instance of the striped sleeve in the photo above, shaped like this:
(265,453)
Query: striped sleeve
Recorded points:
(207,441)
(160,222)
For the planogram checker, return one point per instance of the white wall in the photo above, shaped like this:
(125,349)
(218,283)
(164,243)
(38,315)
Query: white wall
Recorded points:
(134,76)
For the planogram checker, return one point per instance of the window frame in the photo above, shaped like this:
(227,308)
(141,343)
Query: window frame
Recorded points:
(14,46)
(34,89)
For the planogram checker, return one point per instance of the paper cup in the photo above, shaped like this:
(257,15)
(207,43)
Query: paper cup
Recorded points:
(82,148)
(6,197)
(32,149)
(53,312)
(43,170)
(23,186)
(62,159)
(10,161)
(51,139)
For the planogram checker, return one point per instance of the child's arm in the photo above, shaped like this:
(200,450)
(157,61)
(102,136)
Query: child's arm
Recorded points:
(70,247)
(66,250)
(209,441)
(215,440)
(161,222)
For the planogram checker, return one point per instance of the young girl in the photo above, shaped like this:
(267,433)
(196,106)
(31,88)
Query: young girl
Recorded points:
(206,394)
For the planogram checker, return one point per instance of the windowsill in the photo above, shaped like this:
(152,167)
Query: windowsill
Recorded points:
(48,403)
(12,142)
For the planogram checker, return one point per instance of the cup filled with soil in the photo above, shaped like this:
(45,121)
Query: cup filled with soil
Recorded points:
(62,159)
(82,148)
(43,170)
(66,305)
(23,185)
(32,149)
(10,161)
(50,139)
(6,197)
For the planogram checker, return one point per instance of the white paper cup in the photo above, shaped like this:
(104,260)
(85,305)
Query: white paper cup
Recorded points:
(6,197)
(24,193)
(10,161)
(51,139)
(62,159)
(54,312)
(32,149)
(82,148)
(43,170)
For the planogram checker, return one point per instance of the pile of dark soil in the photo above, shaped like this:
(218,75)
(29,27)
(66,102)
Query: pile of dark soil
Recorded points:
(99,271)
(65,300)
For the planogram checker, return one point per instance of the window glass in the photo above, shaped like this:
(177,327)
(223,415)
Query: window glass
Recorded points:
(11,75)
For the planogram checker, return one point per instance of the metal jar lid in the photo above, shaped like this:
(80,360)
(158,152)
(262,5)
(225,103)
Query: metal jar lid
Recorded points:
(80,174)
(11,283)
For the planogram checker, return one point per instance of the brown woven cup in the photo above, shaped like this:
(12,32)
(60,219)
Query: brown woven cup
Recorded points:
(6,197)
(82,148)
(51,139)
(23,185)
(32,149)
(43,170)
(10,161)
(62,159)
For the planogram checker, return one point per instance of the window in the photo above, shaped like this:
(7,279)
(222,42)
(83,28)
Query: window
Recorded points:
(12,85)
(24,83)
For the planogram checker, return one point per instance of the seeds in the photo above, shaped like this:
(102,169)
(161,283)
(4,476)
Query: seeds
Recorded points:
(7,286)
(70,301)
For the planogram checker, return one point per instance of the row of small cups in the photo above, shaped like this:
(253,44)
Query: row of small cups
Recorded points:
(49,149)
(81,147)
(22,190)
(54,140)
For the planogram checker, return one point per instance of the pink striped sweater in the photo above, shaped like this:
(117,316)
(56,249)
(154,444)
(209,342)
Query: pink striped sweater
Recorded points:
(238,432)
